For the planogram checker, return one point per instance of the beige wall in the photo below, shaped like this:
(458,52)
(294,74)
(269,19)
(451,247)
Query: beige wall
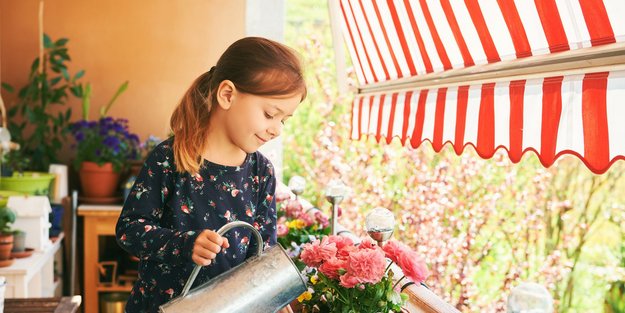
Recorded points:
(160,46)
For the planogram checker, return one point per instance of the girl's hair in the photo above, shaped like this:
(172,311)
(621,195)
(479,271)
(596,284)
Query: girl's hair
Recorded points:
(256,66)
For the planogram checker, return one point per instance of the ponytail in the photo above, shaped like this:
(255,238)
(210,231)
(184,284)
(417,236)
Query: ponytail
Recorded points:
(189,123)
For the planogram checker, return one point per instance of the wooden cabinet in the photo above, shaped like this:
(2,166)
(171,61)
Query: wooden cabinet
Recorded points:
(98,237)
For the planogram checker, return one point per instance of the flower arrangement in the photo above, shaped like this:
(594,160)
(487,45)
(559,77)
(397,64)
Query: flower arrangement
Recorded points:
(103,141)
(345,277)
(297,226)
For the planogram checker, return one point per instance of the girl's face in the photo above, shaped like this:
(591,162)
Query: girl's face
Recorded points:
(253,120)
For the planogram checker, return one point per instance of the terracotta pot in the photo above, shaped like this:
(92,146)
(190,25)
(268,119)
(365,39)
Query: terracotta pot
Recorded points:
(6,244)
(98,181)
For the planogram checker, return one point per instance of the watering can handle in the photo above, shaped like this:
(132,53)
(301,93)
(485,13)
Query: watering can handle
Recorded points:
(221,232)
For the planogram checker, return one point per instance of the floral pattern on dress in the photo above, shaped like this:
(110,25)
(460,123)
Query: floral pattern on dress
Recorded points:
(166,210)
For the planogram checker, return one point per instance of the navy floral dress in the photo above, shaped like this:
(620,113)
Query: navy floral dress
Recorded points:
(166,210)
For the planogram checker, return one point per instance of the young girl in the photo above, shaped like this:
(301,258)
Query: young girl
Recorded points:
(210,173)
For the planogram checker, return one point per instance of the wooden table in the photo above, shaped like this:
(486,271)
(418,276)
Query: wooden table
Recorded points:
(98,220)
(42,305)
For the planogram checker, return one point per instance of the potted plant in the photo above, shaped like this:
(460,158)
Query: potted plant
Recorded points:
(103,148)
(7,217)
(16,178)
(38,121)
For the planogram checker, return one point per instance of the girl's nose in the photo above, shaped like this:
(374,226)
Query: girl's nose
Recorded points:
(275,130)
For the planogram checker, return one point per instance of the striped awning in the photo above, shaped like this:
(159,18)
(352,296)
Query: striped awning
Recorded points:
(545,76)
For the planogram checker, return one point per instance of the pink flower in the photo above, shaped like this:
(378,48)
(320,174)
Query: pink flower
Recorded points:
(367,265)
(413,266)
(344,246)
(348,281)
(315,253)
(293,208)
(282,196)
(321,219)
(393,249)
(282,230)
(331,267)
(367,244)
(308,220)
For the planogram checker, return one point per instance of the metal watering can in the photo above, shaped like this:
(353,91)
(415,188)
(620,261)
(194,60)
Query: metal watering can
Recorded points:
(263,283)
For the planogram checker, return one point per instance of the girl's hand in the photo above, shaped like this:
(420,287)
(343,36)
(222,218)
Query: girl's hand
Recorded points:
(286,309)
(206,247)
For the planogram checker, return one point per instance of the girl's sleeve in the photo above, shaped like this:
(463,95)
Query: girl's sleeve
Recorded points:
(140,228)
(265,220)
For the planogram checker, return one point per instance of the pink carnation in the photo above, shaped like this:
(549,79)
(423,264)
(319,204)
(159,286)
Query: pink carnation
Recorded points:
(293,208)
(367,244)
(348,281)
(317,252)
(308,220)
(367,265)
(393,249)
(282,196)
(413,266)
(331,267)
(321,219)
(344,245)
(282,230)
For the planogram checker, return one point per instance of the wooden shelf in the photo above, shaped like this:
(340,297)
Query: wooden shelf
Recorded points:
(125,288)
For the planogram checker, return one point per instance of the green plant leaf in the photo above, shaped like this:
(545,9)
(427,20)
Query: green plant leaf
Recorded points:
(79,74)
(7,87)
(86,101)
(65,73)
(47,42)
(61,42)
(120,90)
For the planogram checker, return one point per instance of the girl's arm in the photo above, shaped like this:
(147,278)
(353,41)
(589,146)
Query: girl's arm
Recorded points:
(141,229)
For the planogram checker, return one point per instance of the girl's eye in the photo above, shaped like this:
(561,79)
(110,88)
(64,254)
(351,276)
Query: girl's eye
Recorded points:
(268,116)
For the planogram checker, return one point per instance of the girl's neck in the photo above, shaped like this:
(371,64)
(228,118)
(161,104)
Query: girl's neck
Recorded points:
(220,150)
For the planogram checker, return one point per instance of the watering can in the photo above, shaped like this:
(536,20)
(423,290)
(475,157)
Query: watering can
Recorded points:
(263,283)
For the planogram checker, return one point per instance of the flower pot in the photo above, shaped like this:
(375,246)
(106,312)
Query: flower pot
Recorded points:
(98,181)
(6,244)
(34,183)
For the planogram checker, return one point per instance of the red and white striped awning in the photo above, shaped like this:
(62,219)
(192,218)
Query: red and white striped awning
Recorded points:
(574,110)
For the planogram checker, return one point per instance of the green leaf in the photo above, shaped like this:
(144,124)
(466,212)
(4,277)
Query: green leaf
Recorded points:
(65,73)
(80,74)
(120,90)
(47,42)
(55,80)
(7,87)
(61,42)
(86,101)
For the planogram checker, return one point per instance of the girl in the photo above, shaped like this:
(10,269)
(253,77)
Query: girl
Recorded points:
(209,173)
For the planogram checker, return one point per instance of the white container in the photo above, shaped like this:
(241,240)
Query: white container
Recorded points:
(33,217)
(3,283)
(59,187)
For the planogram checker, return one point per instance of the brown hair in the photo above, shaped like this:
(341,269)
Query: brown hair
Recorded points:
(256,66)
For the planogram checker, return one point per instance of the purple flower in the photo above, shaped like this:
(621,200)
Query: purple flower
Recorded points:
(105,140)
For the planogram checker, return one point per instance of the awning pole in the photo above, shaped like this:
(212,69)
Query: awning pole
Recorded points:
(337,43)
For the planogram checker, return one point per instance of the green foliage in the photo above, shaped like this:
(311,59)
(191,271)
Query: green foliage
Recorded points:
(330,296)
(15,161)
(615,298)
(40,131)
(7,217)
(86,100)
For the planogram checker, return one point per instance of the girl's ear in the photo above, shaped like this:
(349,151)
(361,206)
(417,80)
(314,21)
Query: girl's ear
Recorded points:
(225,94)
